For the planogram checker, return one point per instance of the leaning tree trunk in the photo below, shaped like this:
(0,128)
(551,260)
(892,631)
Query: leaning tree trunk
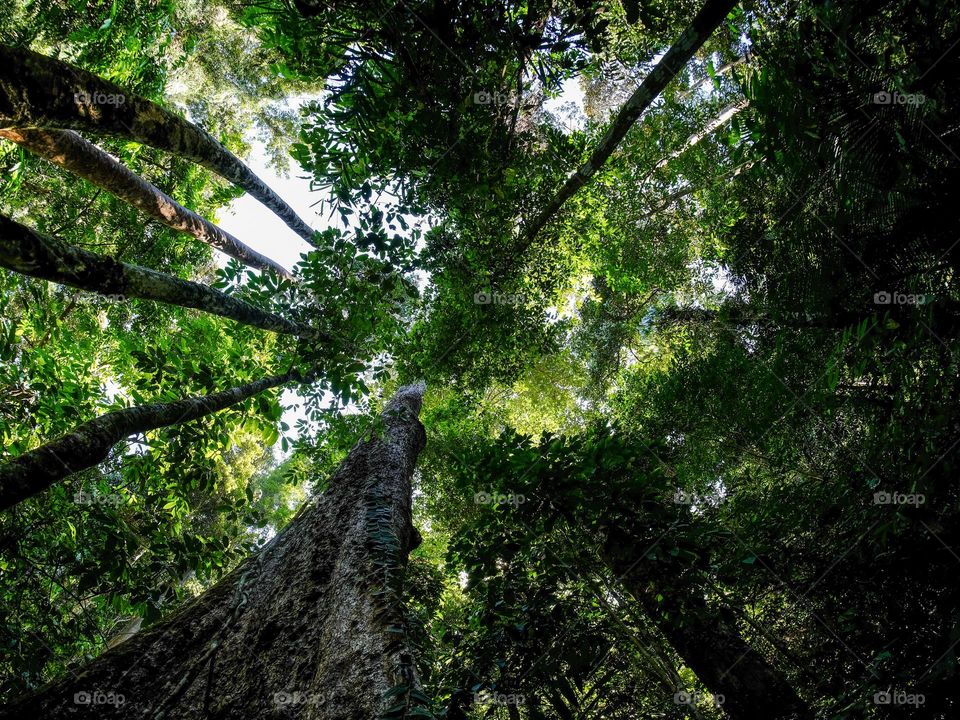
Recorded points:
(706,638)
(89,444)
(40,91)
(310,627)
(692,39)
(84,159)
(28,252)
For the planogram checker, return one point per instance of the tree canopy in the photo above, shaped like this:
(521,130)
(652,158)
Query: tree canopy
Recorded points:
(679,280)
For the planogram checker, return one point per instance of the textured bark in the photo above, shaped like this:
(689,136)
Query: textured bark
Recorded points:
(710,16)
(313,618)
(40,91)
(84,159)
(89,443)
(706,638)
(28,252)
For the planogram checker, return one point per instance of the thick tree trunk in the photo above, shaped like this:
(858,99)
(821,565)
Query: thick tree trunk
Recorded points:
(710,16)
(28,252)
(89,443)
(84,159)
(707,639)
(39,91)
(311,627)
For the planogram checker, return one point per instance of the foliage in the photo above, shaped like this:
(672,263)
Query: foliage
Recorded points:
(707,363)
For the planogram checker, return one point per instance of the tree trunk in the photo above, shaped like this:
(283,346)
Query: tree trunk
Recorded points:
(28,252)
(692,39)
(690,189)
(89,443)
(310,627)
(40,91)
(722,119)
(84,159)
(707,81)
(706,638)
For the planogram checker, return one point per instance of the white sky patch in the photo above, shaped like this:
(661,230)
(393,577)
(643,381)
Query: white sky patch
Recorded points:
(254,224)
(569,106)
(112,389)
(711,282)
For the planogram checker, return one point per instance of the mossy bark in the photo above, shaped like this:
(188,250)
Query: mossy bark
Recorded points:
(309,627)
(84,159)
(28,252)
(40,91)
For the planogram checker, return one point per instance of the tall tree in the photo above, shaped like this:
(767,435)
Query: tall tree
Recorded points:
(26,251)
(311,626)
(39,91)
(84,159)
(697,33)
(706,637)
(90,442)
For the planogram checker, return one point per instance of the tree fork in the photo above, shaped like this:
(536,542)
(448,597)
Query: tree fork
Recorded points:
(89,443)
(28,252)
(309,627)
(84,159)
(40,91)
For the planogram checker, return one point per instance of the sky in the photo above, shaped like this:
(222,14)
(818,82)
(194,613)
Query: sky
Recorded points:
(252,223)
(259,228)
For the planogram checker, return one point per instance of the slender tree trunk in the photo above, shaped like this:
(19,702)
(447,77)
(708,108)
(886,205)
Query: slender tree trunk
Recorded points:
(710,16)
(28,252)
(722,70)
(690,189)
(40,91)
(705,637)
(89,443)
(84,159)
(722,119)
(310,627)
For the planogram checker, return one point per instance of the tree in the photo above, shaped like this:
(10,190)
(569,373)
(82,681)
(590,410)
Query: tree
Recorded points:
(26,251)
(86,160)
(693,361)
(90,443)
(311,625)
(42,92)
